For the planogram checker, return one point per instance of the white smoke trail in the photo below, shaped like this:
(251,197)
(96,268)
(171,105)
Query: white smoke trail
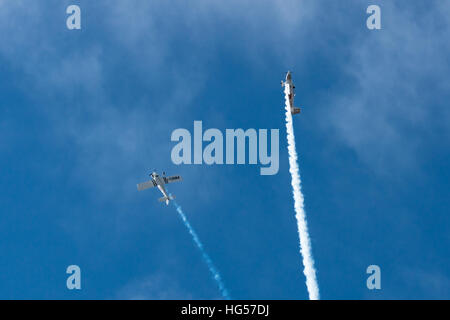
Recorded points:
(305,243)
(215,273)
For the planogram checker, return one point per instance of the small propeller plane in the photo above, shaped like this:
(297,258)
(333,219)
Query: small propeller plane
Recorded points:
(159,181)
(290,84)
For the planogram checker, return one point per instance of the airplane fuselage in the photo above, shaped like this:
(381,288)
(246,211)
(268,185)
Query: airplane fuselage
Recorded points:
(290,85)
(160,184)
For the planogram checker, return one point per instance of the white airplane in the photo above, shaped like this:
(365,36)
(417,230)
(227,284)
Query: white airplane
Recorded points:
(159,182)
(290,84)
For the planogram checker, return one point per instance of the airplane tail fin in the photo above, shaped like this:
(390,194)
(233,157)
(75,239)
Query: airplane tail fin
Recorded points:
(166,199)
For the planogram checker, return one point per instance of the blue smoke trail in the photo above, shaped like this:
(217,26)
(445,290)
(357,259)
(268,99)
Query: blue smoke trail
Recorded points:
(215,273)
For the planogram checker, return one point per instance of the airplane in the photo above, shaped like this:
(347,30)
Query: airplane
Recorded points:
(159,181)
(290,84)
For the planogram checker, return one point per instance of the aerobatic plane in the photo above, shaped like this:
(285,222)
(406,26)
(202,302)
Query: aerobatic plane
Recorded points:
(290,84)
(159,181)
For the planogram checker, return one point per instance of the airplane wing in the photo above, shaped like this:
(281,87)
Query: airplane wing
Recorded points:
(146,185)
(172,179)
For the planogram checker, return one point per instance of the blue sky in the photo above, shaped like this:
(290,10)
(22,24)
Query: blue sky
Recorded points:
(85,115)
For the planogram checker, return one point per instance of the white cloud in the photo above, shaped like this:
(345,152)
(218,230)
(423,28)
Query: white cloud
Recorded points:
(381,114)
(399,75)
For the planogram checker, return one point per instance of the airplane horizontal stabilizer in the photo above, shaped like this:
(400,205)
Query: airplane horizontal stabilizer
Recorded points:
(166,199)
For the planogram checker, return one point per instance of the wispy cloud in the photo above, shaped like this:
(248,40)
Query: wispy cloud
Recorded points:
(395,90)
(158,286)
